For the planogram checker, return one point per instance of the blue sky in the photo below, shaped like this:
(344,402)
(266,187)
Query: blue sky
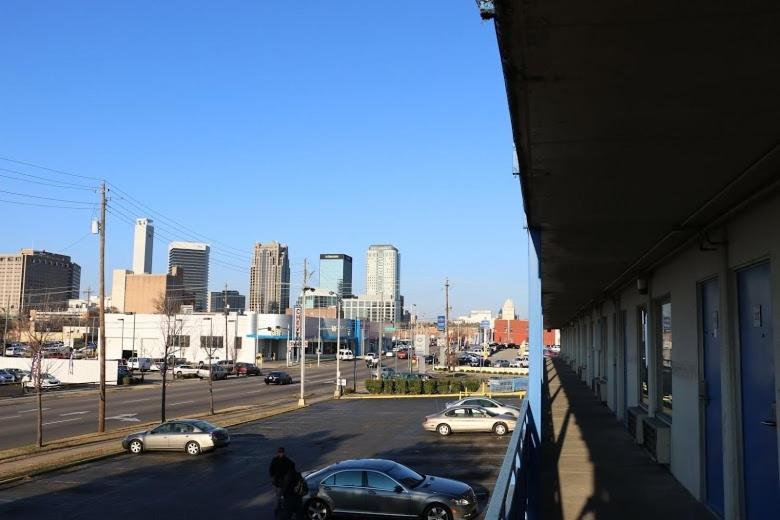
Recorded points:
(328,126)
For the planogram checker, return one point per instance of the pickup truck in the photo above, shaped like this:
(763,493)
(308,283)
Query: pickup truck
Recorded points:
(182,371)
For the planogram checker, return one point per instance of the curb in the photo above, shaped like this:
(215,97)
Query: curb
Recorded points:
(233,421)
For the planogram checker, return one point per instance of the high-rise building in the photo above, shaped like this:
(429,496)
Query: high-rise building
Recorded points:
(193,258)
(269,279)
(508,310)
(236,301)
(38,280)
(143,243)
(336,273)
(383,272)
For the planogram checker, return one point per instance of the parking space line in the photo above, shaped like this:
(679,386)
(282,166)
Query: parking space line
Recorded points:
(32,410)
(61,421)
(137,400)
(73,413)
(181,402)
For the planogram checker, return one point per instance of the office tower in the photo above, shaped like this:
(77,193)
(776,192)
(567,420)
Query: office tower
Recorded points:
(193,258)
(269,279)
(38,280)
(383,272)
(143,243)
(236,301)
(336,273)
(508,310)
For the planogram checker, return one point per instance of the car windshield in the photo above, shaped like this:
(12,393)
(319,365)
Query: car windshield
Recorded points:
(204,426)
(406,476)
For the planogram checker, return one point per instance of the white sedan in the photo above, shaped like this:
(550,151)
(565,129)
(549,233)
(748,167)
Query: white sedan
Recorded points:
(182,371)
(488,404)
(47,381)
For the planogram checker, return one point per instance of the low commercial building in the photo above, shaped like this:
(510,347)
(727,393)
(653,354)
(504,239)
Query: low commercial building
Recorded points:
(140,293)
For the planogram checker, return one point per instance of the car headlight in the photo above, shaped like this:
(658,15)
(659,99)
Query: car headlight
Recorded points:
(462,501)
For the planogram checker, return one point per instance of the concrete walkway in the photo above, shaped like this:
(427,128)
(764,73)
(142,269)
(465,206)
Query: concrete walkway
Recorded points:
(591,467)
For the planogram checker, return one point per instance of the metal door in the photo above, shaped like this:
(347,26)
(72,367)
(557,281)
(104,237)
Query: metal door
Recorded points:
(759,420)
(711,395)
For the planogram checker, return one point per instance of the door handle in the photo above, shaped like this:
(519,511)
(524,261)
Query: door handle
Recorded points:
(769,422)
(371,492)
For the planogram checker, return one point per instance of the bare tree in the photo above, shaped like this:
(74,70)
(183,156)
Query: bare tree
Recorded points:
(171,328)
(211,347)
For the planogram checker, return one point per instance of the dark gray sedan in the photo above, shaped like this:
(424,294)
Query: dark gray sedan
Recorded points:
(192,436)
(382,488)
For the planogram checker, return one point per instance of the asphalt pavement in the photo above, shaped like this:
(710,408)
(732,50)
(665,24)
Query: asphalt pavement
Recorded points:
(234,483)
(66,415)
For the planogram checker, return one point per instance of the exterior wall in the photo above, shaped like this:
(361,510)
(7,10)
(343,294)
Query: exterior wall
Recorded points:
(748,238)
(141,292)
(67,371)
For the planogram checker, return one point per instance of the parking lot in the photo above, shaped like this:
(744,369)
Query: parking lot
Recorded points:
(234,482)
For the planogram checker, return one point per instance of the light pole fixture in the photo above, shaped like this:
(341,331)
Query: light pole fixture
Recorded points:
(337,392)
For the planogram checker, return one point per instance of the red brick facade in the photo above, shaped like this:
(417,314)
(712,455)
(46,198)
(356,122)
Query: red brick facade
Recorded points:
(517,332)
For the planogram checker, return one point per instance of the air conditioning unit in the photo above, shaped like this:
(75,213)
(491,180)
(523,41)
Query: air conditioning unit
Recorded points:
(636,416)
(657,439)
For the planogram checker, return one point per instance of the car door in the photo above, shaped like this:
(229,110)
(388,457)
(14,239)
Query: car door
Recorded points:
(385,496)
(158,437)
(346,491)
(458,419)
(479,420)
(181,433)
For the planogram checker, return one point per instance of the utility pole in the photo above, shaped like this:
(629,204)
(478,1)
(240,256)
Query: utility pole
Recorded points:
(102,309)
(447,316)
(226,309)
(302,349)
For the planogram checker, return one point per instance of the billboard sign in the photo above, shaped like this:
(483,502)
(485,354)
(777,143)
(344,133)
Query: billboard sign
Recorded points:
(441,323)
(485,324)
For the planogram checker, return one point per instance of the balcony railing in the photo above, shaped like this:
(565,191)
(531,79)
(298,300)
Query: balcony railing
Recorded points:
(513,496)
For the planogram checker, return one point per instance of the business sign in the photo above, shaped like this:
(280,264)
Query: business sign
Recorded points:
(389,328)
(485,324)
(297,319)
(441,323)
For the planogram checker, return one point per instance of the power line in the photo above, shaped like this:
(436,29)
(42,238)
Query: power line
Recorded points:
(49,169)
(38,205)
(46,198)
(50,182)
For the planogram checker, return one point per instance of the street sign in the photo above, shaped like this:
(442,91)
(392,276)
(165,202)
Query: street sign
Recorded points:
(485,324)
(343,382)
(441,322)
(297,315)
(389,328)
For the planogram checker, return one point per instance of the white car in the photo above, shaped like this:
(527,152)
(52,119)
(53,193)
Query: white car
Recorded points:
(346,355)
(182,371)
(139,363)
(47,381)
(488,404)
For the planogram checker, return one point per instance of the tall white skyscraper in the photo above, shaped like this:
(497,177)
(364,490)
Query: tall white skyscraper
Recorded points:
(143,243)
(269,279)
(383,272)
(193,258)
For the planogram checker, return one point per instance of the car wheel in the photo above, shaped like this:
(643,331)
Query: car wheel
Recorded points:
(266,382)
(179,375)
(192,448)
(317,510)
(500,428)
(136,447)
(444,429)
(437,512)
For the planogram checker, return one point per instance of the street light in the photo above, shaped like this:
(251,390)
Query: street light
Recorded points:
(337,393)
(302,399)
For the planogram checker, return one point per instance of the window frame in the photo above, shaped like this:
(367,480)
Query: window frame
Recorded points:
(368,486)
(661,411)
(643,349)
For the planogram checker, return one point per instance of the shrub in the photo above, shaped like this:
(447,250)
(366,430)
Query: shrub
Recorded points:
(401,386)
(429,387)
(373,386)
(387,386)
(415,387)
(443,386)
(471,385)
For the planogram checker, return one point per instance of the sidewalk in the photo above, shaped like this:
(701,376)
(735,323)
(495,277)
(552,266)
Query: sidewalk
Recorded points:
(591,468)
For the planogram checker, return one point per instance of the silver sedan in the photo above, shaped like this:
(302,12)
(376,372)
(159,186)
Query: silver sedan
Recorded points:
(469,419)
(487,403)
(192,436)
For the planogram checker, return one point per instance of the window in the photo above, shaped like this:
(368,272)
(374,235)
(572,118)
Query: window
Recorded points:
(476,413)
(164,428)
(665,361)
(643,356)
(380,481)
(349,479)
(457,412)
(183,428)
(331,480)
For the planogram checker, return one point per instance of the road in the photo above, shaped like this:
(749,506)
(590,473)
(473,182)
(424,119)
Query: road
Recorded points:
(234,483)
(67,415)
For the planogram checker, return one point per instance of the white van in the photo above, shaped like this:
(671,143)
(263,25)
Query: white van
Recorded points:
(143,364)
(346,355)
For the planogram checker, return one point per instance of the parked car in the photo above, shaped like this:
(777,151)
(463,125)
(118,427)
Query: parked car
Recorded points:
(388,353)
(488,404)
(17,351)
(430,359)
(501,363)
(402,354)
(193,436)
(524,362)
(278,378)
(384,373)
(217,372)
(182,371)
(228,365)
(381,488)
(372,360)
(469,419)
(18,373)
(410,376)
(247,369)
(6,378)
(48,381)
(143,364)
(346,354)
(515,363)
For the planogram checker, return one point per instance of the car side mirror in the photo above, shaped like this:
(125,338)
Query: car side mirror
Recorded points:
(399,489)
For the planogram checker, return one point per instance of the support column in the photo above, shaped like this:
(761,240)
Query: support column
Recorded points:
(535,329)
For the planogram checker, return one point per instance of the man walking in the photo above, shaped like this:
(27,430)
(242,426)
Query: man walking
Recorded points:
(281,465)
